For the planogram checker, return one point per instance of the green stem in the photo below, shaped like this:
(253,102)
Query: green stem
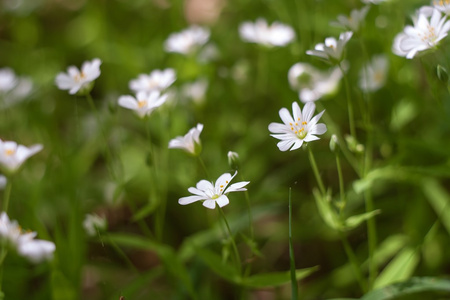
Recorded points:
(294,287)
(233,244)
(107,150)
(353,261)
(7,194)
(351,118)
(202,163)
(312,160)
(343,203)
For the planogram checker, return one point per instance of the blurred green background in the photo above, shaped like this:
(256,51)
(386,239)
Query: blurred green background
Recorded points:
(247,85)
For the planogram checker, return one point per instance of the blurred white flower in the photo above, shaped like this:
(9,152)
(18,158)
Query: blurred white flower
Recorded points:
(158,80)
(311,83)
(332,50)
(24,242)
(8,80)
(302,127)
(373,76)
(13,89)
(260,32)
(188,40)
(3,182)
(77,81)
(12,155)
(190,142)
(353,21)
(441,5)
(373,1)
(195,90)
(93,223)
(144,103)
(211,193)
(425,34)
(36,250)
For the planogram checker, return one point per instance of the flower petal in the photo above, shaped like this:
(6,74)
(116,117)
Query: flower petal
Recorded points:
(211,204)
(190,199)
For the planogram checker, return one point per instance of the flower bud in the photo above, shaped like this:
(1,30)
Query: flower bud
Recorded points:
(442,73)
(333,143)
(233,160)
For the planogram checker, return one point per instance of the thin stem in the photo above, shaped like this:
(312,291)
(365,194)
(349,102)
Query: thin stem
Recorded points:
(202,163)
(353,261)
(108,154)
(343,203)
(294,287)
(7,194)
(351,118)
(312,160)
(233,243)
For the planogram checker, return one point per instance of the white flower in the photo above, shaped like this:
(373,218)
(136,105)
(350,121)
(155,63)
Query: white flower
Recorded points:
(425,34)
(233,160)
(373,1)
(373,76)
(441,5)
(3,182)
(333,49)
(144,103)
(33,249)
(79,81)
(188,40)
(299,128)
(158,80)
(211,193)
(8,80)
(353,21)
(190,142)
(260,32)
(195,90)
(36,250)
(311,83)
(12,155)
(93,223)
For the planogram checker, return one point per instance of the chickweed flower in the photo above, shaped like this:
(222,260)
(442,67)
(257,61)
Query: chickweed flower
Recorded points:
(372,77)
(188,40)
(158,80)
(12,155)
(211,193)
(354,21)
(93,223)
(24,242)
(332,50)
(196,90)
(8,80)
(79,82)
(299,128)
(311,83)
(144,103)
(424,35)
(190,142)
(260,32)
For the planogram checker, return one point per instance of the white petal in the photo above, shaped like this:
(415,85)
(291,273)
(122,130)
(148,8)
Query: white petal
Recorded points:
(211,204)
(285,116)
(237,187)
(189,199)
(222,201)
(285,145)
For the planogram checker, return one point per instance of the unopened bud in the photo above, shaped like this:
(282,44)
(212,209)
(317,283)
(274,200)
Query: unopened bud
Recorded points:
(233,160)
(333,143)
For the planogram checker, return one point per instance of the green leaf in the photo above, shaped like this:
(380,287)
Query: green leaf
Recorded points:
(325,210)
(391,173)
(165,253)
(144,211)
(403,113)
(439,199)
(219,266)
(409,287)
(276,278)
(400,268)
(354,221)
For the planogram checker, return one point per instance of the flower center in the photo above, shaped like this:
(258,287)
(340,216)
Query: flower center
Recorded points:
(428,36)
(378,76)
(215,196)
(299,129)
(9,152)
(441,2)
(142,103)
(80,77)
